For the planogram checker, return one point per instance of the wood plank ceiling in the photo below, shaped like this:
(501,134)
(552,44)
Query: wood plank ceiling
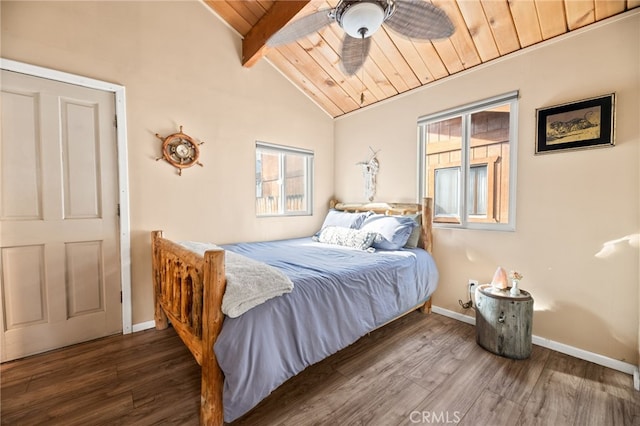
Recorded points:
(485,30)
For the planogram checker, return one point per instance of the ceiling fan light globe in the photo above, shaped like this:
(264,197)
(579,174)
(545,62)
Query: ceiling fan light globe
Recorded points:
(362,17)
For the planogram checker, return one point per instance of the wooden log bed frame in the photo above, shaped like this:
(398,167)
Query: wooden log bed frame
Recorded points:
(188,290)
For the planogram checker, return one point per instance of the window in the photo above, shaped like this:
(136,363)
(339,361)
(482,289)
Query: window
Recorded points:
(283,180)
(467,163)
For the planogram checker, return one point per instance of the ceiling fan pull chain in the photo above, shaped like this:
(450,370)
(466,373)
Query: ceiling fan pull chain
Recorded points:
(362,33)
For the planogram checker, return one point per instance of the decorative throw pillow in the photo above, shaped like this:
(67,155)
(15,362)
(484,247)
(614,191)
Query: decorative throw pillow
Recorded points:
(354,238)
(392,231)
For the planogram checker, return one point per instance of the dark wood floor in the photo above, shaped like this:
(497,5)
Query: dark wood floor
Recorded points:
(418,370)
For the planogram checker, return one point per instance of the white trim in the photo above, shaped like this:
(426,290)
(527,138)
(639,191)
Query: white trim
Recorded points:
(470,108)
(123,169)
(272,147)
(455,315)
(123,199)
(614,364)
(636,379)
(141,326)
(281,151)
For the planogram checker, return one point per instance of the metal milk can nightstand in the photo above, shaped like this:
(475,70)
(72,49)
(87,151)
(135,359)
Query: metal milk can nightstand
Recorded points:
(503,321)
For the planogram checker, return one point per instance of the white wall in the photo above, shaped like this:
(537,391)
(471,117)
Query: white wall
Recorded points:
(181,66)
(569,204)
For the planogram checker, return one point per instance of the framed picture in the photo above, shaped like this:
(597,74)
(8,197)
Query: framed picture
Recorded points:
(576,125)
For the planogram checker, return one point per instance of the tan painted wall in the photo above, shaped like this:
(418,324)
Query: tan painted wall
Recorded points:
(569,205)
(180,66)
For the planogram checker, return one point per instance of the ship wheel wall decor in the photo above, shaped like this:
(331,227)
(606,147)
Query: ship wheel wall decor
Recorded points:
(180,150)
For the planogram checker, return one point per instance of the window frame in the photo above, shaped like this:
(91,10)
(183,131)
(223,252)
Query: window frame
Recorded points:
(465,112)
(282,151)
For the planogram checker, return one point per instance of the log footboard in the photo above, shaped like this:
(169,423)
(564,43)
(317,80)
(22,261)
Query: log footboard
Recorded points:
(194,310)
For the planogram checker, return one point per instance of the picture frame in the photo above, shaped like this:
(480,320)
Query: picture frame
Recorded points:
(588,123)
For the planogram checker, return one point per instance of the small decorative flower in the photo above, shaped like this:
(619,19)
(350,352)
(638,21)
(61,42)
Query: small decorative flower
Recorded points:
(515,275)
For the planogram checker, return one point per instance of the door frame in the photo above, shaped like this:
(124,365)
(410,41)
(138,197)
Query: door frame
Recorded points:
(123,174)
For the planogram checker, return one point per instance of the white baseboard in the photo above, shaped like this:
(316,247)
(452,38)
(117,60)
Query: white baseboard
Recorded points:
(143,326)
(614,364)
(455,315)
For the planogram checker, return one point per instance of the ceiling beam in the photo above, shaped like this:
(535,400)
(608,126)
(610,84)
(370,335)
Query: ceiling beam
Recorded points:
(253,44)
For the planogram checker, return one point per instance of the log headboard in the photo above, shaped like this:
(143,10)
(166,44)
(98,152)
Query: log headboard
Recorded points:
(425,209)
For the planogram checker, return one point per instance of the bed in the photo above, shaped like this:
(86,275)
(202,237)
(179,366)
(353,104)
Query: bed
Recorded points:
(340,294)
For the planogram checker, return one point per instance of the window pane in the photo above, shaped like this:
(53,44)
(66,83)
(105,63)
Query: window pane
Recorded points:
(478,194)
(295,183)
(447,195)
(489,142)
(443,149)
(267,182)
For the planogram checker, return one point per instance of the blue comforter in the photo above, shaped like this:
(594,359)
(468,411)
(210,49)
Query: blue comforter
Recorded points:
(339,295)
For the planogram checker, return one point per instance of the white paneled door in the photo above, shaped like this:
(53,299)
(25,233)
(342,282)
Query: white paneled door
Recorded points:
(59,263)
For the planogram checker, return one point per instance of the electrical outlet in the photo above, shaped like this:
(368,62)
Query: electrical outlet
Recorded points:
(472,286)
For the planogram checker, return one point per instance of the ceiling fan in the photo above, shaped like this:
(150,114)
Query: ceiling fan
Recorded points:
(360,19)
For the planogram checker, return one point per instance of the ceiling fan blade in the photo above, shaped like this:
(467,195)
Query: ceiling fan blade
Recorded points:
(354,53)
(418,19)
(301,28)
